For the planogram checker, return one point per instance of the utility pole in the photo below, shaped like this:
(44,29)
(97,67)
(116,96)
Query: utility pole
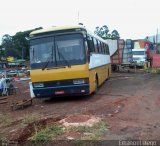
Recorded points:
(157,40)
(78,17)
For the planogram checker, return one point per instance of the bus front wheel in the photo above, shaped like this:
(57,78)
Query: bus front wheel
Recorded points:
(96,84)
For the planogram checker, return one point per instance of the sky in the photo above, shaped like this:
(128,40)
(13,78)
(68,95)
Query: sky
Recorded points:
(134,19)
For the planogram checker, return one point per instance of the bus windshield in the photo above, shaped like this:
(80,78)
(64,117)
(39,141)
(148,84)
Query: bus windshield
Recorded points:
(60,50)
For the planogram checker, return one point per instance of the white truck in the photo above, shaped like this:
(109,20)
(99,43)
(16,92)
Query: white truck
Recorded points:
(139,57)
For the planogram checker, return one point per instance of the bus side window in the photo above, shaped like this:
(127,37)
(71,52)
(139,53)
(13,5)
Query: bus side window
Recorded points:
(98,46)
(105,49)
(108,50)
(95,45)
(90,44)
(101,48)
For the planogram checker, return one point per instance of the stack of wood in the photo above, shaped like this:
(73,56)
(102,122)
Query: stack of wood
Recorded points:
(21,104)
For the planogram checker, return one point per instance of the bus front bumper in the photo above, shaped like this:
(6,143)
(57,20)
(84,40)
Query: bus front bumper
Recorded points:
(72,90)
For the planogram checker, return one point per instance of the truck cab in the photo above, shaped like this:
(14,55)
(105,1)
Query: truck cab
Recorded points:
(139,56)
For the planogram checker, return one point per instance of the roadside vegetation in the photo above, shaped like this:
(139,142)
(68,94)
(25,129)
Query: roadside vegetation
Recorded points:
(30,118)
(16,45)
(47,134)
(5,120)
(90,135)
(153,70)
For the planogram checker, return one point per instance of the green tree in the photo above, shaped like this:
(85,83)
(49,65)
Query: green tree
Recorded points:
(97,31)
(20,43)
(6,46)
(17,45)
(115,34)
(6,41)
(103,32)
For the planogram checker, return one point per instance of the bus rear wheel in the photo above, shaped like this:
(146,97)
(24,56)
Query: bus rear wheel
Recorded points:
(108,74)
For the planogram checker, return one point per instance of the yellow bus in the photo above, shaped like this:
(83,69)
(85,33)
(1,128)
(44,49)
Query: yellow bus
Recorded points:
(67,61)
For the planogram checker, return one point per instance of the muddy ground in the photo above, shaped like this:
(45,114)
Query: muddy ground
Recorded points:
(128,102)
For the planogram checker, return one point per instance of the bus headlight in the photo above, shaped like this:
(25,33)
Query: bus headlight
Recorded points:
(79,81)
(36,85)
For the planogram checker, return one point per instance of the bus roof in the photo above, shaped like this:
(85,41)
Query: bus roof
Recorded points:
(57,28)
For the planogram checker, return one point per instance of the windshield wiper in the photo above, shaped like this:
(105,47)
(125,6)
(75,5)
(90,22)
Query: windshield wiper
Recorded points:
(66,61)
(48,60)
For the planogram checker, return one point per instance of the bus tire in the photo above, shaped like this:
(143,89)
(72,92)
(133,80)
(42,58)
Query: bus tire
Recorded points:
(114,68)
(108,74)
(96,84)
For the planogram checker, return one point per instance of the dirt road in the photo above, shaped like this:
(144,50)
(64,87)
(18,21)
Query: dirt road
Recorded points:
(139,117)
(128,102)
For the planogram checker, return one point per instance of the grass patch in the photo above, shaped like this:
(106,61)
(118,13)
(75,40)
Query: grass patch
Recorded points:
(81,142)
(158,71)
(148,70)
(153,70)
(82,129)
(48,133)
(99,130)
(5,120)
(93,133)
(30,118)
